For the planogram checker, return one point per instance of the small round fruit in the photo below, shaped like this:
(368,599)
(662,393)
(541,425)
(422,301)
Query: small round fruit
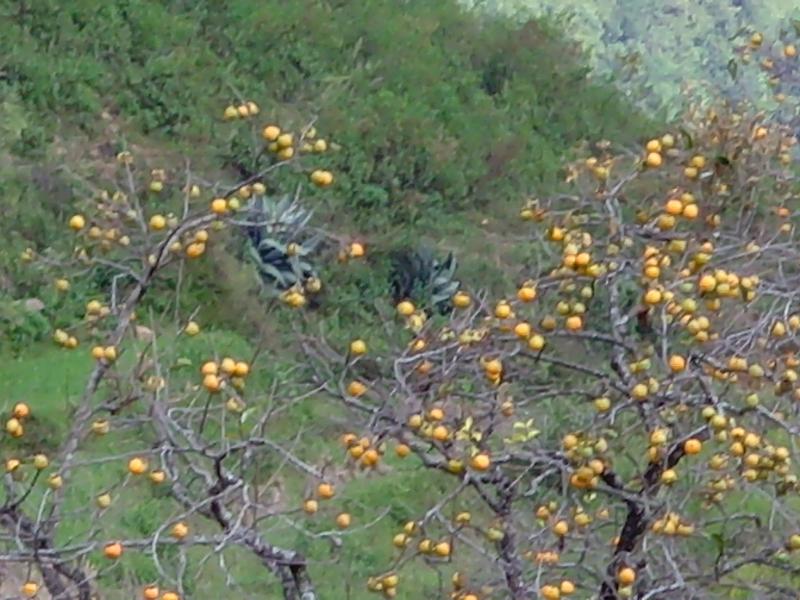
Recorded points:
(481,462)
(180,530)
(654,160)
(150,592)
(358,347)
(442,549)
(325,491)
(677,363)
(626,576)
(191,329)
(343,520)
(112,550)
(692,446)
(158,222)
(77,222)
(137,466)
(219,206)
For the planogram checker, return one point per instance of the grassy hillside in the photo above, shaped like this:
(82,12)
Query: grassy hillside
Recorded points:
(677,50)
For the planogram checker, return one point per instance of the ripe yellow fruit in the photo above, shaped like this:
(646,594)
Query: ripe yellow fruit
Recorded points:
(29,589)
(441,433)
(62,285)
(358,347)
(673,207)
(669,476)
(227,365)
(356,250)
(40,461)
(150,592)
(241,369)
(271,132)
(112,550)
(285,140)
(652,296)
(137,466)
(110,353)
(677,363)
(567,587)
(195,250)
(55,481)
(692,446)
(561,528)
(522,330)
(103,500)
(157,476)
(191,329)
(170,596)
(602,404)
(321,178)
(402,450)
(219,206)
(325,491)
(442,549)
(654,160)
(640,391)
(502,310)
(573,323)
(356,389)
(707,283)
(461,300)
(527,293)
(100,427)
(21,411)
(77,222)
(626,576)
(343,520)
(212,383)
(536,342)
(209,368)
(779,329)
(481,462)
(180,530)
(14,427)
(653,145)
(436,414)
(405,308)
(790,51)
(158,222)
(549,592)
(690,211)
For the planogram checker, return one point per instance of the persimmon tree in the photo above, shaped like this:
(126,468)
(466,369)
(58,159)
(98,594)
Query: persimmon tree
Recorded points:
(201,433)
(622,425)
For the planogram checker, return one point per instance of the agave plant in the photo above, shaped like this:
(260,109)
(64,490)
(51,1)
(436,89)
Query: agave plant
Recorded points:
(281,244)
(419,274)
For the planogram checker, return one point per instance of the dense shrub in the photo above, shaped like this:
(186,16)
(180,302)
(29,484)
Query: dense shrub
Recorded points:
(433,107)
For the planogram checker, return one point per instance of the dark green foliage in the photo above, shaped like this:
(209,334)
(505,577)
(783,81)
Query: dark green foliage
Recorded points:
(423,277)
(277,225)
(434,107)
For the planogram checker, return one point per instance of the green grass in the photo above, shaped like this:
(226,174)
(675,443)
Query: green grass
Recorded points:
(51,381)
